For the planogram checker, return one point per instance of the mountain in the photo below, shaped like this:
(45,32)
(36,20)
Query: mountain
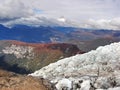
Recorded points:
(56,34)
(30,34)
(93,44)
(3,27)
(23,58)
(96,70)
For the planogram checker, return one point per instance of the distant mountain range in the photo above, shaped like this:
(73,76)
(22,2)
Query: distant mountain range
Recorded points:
(79,36)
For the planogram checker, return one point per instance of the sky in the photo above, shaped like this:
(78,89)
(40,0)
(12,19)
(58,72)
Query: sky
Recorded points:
(87,13)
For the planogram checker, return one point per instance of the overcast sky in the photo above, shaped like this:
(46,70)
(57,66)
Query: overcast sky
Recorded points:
(87,11)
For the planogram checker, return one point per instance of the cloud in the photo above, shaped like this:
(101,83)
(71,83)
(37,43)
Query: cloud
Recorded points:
(12,9)
(110,24)
(32,12)
(38,20)
(72,9)
(79,9)
(113,24)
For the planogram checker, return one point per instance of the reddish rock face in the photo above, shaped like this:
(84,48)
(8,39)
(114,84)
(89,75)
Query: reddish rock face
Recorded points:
(65,49)
(12,81)
(51,46)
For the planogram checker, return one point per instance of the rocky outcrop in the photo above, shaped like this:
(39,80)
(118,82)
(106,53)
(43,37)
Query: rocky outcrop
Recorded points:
(12,81)
(19,51)
(96,70)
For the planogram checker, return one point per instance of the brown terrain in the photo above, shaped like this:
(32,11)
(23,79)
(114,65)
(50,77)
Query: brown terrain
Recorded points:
(12,81)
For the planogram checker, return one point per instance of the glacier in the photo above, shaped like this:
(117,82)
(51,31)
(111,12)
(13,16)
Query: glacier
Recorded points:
(96,70)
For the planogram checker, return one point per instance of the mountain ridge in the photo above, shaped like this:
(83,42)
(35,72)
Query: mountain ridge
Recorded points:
(81,37)
(23,58)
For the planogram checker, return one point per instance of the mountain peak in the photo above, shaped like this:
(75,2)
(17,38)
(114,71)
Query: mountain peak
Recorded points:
(2,27)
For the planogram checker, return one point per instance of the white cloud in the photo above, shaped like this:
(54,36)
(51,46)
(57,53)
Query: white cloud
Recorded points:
(25,11)
(79,9)
(113,24)
(38,20)
(76,10)
(11,9)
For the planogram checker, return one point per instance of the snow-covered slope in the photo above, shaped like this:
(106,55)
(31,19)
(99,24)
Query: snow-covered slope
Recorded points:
(96,70)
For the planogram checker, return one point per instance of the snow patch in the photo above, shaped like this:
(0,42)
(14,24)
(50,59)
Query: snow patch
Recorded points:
(64,84)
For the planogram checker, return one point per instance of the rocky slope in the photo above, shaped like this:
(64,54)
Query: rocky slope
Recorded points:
(96,70)
(12,81)
(24,58)
(89,45)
